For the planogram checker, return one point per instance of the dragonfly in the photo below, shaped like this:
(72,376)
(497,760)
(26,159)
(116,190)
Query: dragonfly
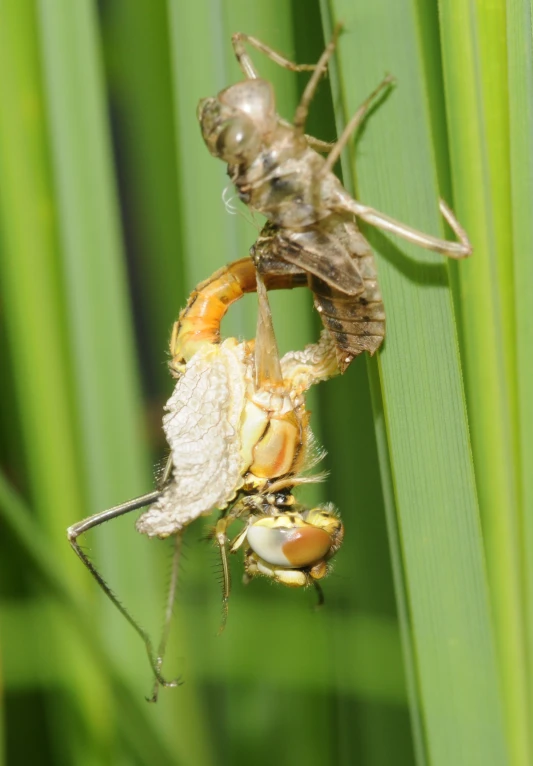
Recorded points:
(278,170)
(240,442)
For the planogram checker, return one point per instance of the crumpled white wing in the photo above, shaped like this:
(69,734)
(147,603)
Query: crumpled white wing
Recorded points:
(316,362)
(202,426)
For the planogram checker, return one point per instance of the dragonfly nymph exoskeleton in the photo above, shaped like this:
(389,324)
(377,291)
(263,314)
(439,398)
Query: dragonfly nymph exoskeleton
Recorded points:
(240,442)
(278,171)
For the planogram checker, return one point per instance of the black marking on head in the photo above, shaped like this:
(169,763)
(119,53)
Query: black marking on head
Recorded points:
(281,184)
(269,162)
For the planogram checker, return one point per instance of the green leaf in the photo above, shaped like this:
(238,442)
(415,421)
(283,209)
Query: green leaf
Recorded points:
(424,413)
(477,98)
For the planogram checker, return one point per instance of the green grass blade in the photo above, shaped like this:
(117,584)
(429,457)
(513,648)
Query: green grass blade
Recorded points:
(31,293)
(106,403)
(99,330)
(477,100)
(520,64)
(136,47)
(106,379)
(400,590)
(423,401)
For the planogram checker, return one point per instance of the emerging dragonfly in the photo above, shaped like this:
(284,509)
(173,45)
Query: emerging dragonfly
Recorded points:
(311,228)
(239,437)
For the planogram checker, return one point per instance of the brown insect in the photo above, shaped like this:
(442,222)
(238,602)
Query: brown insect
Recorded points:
(277,171)
(239,439)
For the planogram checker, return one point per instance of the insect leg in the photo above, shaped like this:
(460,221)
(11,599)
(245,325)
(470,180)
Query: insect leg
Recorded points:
(324,147)
(352,126)
(460,249)
(238,541)
(320,594)
(171,597)
(245,62)
(221,538)
(91,522)
(300,116)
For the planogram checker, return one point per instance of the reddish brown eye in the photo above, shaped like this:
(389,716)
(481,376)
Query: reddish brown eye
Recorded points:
(291,547)
(306,545)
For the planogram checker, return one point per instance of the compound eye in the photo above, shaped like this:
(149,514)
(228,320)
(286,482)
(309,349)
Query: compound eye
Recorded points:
(238,140)
(291,547)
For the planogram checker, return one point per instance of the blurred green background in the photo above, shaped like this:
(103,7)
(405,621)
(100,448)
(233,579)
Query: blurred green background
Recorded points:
(110,212)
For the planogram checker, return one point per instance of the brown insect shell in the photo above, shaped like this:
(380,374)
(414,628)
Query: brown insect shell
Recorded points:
(256,99)
(283,183)
(277,174)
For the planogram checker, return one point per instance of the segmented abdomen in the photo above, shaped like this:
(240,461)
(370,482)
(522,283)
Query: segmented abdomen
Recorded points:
(357,324)
(199,322)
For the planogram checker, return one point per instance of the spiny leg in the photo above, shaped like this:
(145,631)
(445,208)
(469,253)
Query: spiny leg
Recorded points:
(302,110)
(91,522)
(245,62)
(460,249)
(221,538)
(171,597)
(165,476)
(352,126)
